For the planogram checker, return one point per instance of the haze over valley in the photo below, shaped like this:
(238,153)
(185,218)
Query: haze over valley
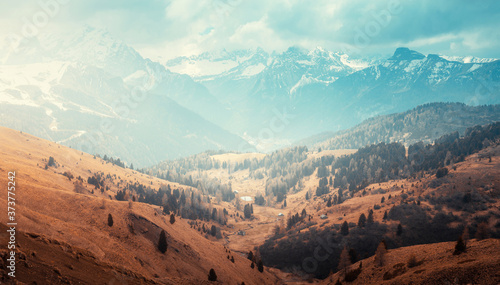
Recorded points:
(233,142)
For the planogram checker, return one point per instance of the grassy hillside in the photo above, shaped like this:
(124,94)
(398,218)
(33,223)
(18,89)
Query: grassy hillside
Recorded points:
(52,217)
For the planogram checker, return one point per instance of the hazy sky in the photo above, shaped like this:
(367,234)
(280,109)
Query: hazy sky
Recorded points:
(162,28)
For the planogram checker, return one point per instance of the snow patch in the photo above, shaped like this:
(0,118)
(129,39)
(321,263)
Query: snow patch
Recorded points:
(253,70)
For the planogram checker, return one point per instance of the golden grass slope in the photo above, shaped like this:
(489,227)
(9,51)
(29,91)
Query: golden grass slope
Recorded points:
(46,205)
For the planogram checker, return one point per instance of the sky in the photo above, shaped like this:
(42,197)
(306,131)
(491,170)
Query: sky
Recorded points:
(164,29)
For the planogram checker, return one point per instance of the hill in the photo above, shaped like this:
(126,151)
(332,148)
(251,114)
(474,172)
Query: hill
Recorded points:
(68,217)
(435,264)
(92,92)
(424,123)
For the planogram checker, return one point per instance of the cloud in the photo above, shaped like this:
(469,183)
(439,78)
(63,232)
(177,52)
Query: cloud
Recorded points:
(174,27)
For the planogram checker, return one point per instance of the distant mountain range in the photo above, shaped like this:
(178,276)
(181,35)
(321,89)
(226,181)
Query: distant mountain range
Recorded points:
(327,91)
(95,93)
(92,92)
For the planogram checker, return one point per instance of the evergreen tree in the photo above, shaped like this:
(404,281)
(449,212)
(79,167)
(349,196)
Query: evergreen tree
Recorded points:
(344,261)
(362,221)
(344,230)
(250,255)
(369,220)
(162,242)
(52,161)
(380,254)
(247,211)
(211,275)
(172,218)
(260,265)
(385,216)
(110,220)
(459,246)
(353,255)
(399,232)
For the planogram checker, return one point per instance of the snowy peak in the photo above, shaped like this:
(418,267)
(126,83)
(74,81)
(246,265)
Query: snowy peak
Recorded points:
(88,45)
(468,59)
(404,53)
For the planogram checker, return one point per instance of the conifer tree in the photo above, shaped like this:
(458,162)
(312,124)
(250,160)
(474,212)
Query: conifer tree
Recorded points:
(344,261)
(369,220)
(110,220)
(260,265)
(362,221)
(211,275)
(162,242)
(380,254)
(460,246)
(344,230)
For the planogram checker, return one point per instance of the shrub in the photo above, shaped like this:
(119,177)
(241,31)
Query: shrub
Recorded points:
(69,175)
(353,274)
(441,172)
(413,262)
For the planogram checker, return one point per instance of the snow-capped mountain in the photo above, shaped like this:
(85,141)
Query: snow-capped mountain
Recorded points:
(90,91)
(326,90)
(99,95)
(255,85)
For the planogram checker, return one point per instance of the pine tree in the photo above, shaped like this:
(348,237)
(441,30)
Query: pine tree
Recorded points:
(380,254)
(353,255)
(344,230)
(250,255)
(362,221)
(162,242)
(260,265)
(369,220)
(307,195)
(399,232)
(459,246)
(211,275)
(385,216)
(110,220)
(172,218)
(344,261)
(52,161)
